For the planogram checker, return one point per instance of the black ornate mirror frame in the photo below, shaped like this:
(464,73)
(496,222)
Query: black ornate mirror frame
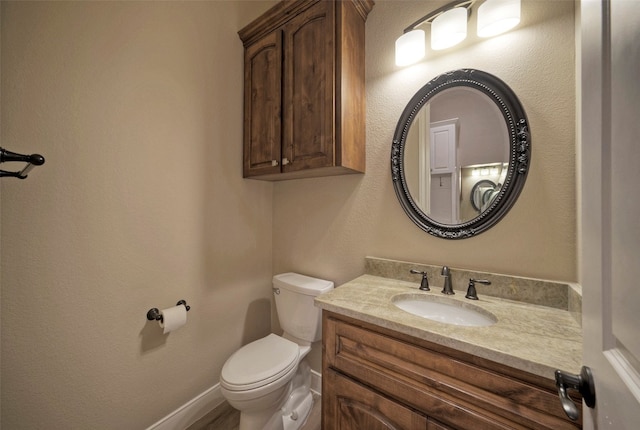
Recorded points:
(519,151)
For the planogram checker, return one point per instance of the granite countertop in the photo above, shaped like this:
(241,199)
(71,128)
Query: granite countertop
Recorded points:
(532,338)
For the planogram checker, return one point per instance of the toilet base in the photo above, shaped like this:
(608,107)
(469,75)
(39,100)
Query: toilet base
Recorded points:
(298,417)
(290,416)
(291,411)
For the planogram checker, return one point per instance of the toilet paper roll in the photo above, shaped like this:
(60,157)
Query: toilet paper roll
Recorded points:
(173,318)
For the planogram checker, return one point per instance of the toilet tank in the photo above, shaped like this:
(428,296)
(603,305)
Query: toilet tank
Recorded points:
(299,318)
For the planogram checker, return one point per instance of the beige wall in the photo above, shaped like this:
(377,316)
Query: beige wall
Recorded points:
(137,107)
(0,228)
(326,226)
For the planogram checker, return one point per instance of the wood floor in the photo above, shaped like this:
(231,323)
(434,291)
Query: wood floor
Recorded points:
(224,417)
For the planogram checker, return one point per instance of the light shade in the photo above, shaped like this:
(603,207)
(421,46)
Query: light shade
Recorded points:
(410,48)
(497,16)
(449,28)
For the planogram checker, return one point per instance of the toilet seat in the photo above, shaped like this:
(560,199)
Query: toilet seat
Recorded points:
(259,363)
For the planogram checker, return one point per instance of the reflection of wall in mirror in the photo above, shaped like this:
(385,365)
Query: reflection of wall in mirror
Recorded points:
(416,160)
(483,136)
(411,161)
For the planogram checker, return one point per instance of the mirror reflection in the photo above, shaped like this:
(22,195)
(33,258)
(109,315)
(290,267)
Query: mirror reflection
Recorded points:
(460,154)
(456,155)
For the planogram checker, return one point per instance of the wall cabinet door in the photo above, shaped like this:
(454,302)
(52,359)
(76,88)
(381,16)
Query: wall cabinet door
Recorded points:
(309,57)
(263,106)
(351,406)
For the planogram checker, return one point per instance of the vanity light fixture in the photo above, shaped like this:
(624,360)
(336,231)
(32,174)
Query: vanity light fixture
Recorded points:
(449,27)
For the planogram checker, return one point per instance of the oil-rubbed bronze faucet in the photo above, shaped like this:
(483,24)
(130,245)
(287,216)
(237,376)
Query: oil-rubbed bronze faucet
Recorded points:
(424,284)
(471,290)
(447,288)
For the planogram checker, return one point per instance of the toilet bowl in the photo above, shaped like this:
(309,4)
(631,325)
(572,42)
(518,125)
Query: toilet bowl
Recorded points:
(267,380)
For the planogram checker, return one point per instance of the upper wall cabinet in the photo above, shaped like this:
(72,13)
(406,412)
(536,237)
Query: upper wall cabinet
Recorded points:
(304,90)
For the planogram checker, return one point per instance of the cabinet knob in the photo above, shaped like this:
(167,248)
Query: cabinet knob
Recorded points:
(274,163)
(285,161)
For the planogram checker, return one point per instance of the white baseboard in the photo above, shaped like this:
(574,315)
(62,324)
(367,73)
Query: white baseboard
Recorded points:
(316,382)
(204,403)
(191,411)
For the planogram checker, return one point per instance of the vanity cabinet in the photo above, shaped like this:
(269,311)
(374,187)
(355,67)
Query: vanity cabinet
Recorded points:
(304,94)
(376,378)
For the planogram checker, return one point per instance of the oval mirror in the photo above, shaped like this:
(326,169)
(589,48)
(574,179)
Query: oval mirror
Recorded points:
(460,154)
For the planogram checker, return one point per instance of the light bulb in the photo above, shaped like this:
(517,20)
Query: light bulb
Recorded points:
(410,48)
(449,28)
(497,16)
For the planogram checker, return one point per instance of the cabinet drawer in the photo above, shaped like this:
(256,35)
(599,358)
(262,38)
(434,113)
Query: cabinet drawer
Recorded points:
(441,383)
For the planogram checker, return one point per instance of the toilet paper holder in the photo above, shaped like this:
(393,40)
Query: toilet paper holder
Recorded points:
(154,313)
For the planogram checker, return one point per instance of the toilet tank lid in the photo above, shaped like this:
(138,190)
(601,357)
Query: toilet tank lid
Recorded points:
(302,284)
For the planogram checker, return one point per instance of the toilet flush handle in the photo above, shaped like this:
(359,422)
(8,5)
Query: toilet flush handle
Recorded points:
(276,290)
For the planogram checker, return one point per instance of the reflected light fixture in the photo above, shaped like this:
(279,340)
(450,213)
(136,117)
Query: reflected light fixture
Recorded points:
(497,17)
(449,27)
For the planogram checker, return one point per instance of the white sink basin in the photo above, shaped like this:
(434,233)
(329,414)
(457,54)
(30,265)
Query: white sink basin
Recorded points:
(444,310)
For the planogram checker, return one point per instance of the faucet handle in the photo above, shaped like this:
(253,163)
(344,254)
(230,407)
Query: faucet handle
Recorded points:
(424,284)
(471,290)
(445,271)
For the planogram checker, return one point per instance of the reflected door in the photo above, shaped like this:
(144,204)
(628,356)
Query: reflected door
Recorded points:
(444,172)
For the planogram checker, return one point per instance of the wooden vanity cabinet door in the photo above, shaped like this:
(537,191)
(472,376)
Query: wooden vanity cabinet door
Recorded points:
(434,425)
(356,407)
(309,67)
(456,389)
(263,106)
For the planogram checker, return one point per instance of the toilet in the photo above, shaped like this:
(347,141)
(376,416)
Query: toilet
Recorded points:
(267,380)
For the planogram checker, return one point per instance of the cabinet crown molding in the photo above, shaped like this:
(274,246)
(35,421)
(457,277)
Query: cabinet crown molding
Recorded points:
(283,12)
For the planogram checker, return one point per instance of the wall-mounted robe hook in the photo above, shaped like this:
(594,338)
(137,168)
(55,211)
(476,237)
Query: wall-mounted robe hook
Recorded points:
(31,160)
(155,314)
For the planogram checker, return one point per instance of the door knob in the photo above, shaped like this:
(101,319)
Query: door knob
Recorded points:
(582,383)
